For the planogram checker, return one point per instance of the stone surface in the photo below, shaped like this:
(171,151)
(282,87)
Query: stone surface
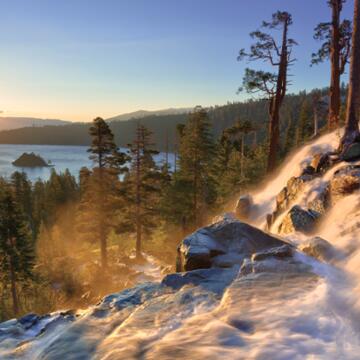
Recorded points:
(281,252)
(273,265)
(321,203)
(214,279)
(244,206)
(352,152)
(344,182)
(298,219)
(320,162)
(318,248)
(289,193)
(199,250)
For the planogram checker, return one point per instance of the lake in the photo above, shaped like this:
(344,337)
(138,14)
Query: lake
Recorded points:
(61,156)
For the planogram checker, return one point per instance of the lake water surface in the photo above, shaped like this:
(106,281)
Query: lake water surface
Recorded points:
(61,156)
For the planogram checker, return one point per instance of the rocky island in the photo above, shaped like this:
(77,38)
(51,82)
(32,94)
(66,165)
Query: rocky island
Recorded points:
(30,160)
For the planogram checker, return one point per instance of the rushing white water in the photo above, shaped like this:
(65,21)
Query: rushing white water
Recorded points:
(265,197)
(278,314)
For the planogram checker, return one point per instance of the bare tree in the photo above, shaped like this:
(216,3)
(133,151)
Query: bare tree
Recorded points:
(270,85)
(336,37)
(353,101)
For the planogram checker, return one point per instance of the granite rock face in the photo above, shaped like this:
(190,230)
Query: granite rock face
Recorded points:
(299,219)
(226,241)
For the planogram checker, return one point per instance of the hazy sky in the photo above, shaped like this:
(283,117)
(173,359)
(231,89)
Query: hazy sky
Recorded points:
(77,59)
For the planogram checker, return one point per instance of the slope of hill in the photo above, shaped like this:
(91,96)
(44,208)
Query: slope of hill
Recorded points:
(9,123)
(163,125)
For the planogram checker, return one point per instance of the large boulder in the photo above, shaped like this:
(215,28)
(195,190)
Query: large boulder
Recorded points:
(352,152)
(205,247)
(321,202)
(318,248)
(289,193)
(344,182)
(299,219)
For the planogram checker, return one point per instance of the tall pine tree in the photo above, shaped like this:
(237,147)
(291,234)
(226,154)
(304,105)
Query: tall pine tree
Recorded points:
(16,246)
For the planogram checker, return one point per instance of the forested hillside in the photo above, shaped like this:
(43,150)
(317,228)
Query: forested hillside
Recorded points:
(297,110)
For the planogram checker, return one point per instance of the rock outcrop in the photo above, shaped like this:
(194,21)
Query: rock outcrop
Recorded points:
(352,152)
(228,241)
(344,182)
(244,207)
(318,248)
(299,219)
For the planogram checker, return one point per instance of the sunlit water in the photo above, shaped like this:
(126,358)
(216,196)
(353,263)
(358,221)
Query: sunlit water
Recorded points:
(272,315)
(62,157)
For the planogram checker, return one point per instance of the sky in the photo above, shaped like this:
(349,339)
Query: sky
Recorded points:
(78,59)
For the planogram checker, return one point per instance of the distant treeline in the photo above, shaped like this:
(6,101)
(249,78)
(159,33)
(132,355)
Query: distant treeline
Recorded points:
(164,126)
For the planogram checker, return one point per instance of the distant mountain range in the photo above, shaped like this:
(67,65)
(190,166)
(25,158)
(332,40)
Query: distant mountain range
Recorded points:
(9,123)
(145,113)
(162,123)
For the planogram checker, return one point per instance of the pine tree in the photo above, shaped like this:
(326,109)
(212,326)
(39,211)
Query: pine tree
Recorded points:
(272,86)
(336,37)
(23,195)
(351,132)
(196,163)
(16,246)
(100,189)
(305,124)
(142,185)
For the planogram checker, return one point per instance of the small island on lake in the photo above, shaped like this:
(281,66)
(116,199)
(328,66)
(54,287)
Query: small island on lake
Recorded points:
(30,160)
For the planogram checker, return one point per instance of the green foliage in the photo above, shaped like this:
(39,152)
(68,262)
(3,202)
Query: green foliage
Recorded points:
(142,185)
(100,187)
(196,163)
(16,247)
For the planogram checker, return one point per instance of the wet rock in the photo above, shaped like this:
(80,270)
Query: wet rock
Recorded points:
(273,265)
(244,206)
(320,162)
(289,193)
(345,181)
(214,279)
(299,219)
(225,216)
(321,203)
(318,248)
(29,320)
(352,152)
(198,250)
(227,260)
(309,170)
(282,199)
(281,252)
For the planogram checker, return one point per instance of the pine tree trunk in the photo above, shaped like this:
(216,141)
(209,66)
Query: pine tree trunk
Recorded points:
(274,141)
(14,295)
(275,103)
(353,101)
(334,107)
(138,200)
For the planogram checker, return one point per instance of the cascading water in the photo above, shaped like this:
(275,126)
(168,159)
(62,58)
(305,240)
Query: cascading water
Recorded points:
(313,314)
